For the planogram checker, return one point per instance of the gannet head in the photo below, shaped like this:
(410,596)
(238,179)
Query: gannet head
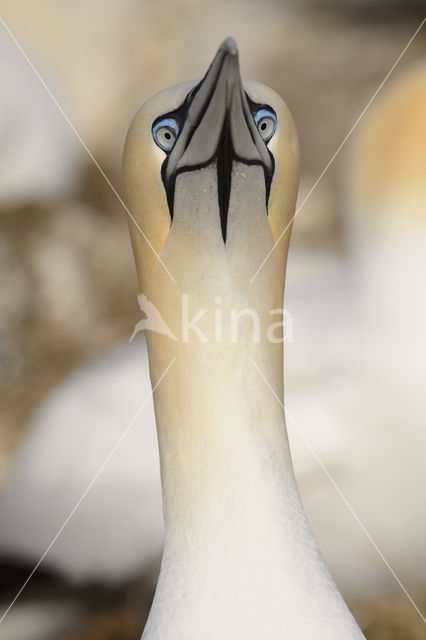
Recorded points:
(210,171)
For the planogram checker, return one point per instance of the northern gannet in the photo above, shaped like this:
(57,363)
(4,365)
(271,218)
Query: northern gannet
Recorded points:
(346,413)
(211,174)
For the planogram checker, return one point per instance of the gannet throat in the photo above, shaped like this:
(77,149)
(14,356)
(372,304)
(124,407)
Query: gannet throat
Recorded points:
(216,124)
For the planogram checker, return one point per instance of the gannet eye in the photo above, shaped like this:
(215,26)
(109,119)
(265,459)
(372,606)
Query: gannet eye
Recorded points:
(266,122)
(165,133)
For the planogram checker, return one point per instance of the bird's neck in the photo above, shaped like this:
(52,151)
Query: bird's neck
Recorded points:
(222,437)
(240,560)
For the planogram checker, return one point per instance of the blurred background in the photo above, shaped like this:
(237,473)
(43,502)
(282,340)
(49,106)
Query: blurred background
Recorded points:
(69,380)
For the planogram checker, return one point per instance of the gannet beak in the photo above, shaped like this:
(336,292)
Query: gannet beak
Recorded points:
(218,126)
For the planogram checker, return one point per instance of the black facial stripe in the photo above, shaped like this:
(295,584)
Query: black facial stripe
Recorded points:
(257,106)
(178,114)
(224,155)
(224,159)
(169,186)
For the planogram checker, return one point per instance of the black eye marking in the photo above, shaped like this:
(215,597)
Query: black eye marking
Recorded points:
(167,128)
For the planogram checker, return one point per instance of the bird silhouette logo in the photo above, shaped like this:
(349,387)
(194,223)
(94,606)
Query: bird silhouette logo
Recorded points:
(153,320)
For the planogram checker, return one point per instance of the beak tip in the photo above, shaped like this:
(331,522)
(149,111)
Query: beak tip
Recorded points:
(229,46)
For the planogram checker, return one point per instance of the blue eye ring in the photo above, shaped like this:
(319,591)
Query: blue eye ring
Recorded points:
(165,132)
(266,122)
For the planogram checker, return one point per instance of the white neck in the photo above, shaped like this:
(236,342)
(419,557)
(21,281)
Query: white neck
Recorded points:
(240,561)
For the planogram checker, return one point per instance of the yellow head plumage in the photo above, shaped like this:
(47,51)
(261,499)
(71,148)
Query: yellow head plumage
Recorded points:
(210,169)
